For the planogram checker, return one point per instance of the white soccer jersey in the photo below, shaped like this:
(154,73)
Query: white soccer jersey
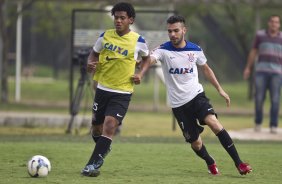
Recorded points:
(179,66)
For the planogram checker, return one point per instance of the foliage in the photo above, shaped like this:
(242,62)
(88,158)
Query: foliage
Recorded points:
(8,17)
(49,22)
(236,24)
(53,18)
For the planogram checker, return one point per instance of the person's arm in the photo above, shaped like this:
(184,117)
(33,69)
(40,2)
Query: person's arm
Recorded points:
(250,63)
(92,61)
(93,57)
(209,74)
(153,60)
(144,66)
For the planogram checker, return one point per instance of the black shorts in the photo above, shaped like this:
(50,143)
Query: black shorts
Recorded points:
(191,115)
(109,104)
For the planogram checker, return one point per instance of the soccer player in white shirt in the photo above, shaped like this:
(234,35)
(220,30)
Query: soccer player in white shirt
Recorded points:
(179,60)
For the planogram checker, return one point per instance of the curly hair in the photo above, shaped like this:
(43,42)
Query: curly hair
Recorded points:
(175,18)
(123,6)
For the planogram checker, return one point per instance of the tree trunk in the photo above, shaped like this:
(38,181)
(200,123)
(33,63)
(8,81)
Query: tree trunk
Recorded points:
(4,58)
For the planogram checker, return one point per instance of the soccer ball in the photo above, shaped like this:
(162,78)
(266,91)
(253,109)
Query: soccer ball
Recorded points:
(38,166)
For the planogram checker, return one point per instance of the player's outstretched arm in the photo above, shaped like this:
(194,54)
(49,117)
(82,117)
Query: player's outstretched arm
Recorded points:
(144,66)
(92,61)
(212,79)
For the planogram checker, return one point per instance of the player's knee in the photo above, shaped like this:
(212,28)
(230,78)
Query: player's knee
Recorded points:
(216,128)
(110,126)
(109,131)
(190,137)
(213,123)
(197,144)
(96,130)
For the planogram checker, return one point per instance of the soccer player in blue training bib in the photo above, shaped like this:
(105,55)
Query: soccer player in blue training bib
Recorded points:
(179,60)
(113,60)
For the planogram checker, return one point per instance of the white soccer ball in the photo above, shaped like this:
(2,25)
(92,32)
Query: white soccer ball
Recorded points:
(38,166)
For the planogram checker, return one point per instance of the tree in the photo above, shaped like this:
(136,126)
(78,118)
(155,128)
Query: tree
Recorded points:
(52,21)
(3,58)
(8,17)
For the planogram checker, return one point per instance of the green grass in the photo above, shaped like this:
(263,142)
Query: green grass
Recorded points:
(56,93)
(48,93)
(147,151)
(143,160)
(43,89)
(140,124)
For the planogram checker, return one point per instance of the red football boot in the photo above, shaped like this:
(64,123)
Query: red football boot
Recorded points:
(212,169)
(244,168)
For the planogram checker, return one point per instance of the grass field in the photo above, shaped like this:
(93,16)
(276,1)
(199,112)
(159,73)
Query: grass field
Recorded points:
(135,160)
(56,92)
(147,152)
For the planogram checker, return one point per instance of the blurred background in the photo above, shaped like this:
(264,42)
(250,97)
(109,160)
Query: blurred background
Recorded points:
(44,90)
(40,39)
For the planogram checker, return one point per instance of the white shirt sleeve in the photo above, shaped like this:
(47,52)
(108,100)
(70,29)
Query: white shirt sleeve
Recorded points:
(98,45)
(143,49)
(201,59)
(157,54)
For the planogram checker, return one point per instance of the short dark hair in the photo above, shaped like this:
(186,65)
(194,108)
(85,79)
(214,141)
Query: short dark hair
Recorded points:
(175,18)
(123,6)
(274,15)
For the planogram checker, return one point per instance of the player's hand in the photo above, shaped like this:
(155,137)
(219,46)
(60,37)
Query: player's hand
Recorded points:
(247,73)
(91,66)
(136,79)
(225,96)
